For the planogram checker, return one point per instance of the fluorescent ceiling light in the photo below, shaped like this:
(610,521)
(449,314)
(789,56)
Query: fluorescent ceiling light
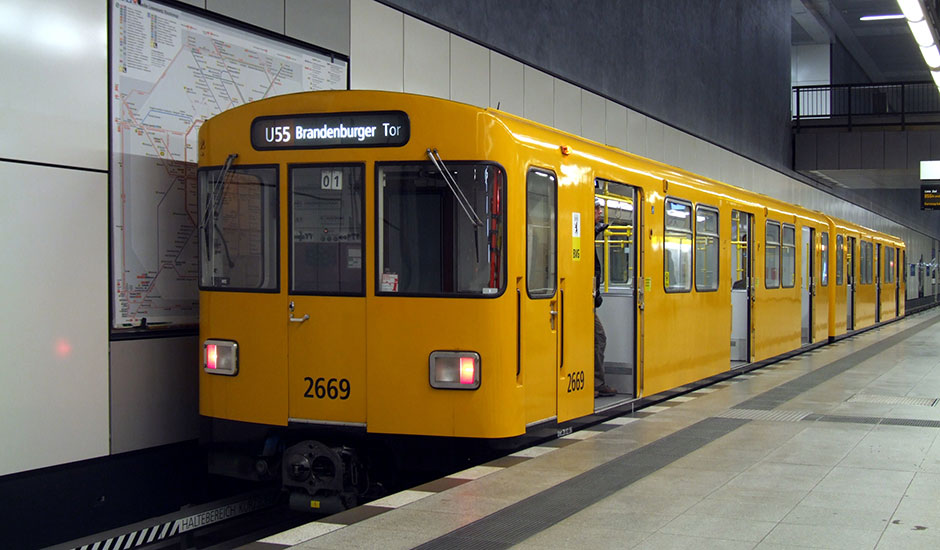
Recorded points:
(931,56)
(936,77)
(881,17)
(911,9)
(921,31)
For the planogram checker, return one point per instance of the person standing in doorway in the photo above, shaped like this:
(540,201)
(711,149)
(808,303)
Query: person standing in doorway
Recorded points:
(601,389)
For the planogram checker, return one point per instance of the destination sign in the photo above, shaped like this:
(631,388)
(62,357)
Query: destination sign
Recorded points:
(325,130)
(930,196)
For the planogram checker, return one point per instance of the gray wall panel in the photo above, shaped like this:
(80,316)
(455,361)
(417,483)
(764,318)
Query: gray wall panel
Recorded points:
(719,70)
(321,22)
(873,150)
(154,392)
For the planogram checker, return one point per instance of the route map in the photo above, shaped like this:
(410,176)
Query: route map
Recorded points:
(170,71)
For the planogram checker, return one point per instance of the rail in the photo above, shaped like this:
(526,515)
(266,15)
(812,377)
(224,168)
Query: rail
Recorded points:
(901,103)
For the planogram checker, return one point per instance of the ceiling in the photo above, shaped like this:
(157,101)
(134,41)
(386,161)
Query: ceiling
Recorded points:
(885,50)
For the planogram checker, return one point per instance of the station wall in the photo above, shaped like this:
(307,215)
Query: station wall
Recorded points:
(70,391)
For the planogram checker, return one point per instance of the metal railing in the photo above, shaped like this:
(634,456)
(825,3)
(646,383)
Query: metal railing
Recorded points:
(866,104)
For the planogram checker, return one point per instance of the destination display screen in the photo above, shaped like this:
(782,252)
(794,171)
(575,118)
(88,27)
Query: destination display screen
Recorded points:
(326,130)
(930,196)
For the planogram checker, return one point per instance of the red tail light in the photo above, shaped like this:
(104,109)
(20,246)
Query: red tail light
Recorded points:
(212,356)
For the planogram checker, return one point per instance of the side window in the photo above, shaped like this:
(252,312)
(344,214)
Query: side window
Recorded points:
(889,264)
(677,246)
(706,248)
(824,264)
(865,263)
(541,238)
(788,257)
(840,259)
(772,255)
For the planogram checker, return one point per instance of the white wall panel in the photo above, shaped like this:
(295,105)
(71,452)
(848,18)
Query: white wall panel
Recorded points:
(672,148)
(154,392)
(655,139)
(507,84)
(616,124)
(267,14)
(376,47)
(636,133)
(54,59)
(711,162)
(539,96)
(427,59)
(567,107)
(593,116)
(321,22)
(53,316)
(469,72)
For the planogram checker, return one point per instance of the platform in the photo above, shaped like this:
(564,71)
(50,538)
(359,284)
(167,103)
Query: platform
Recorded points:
(834,448)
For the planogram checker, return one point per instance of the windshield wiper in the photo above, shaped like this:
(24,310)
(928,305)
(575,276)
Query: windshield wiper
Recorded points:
(454,188)
(213,206)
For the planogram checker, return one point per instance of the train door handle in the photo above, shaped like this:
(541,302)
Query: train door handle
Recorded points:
(553,313)
(291,317)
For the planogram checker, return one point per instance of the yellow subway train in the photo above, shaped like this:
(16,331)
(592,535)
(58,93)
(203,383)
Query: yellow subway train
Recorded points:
(388,265)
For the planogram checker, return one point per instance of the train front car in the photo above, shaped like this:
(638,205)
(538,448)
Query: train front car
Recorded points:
(356,280)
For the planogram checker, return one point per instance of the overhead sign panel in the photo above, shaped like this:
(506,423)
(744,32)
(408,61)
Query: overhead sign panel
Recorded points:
(930,196)
(325,130)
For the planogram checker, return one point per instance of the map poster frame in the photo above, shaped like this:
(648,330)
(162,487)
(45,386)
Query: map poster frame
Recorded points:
(172,66)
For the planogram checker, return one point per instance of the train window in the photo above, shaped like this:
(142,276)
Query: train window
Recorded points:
(739,250)
(890,268)
(772,255)
(439,240)
(677,246)
(706,248)
(326,205)
(824,255)
(840,259)
(614,247)
(788,257)
(238,228)
(541,238)
(864,263)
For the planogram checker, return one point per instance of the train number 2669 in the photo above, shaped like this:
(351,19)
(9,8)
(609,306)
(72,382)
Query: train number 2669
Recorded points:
(323,388)
(576,381)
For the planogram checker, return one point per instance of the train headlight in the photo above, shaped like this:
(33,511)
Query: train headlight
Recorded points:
(454,370)
(220,357)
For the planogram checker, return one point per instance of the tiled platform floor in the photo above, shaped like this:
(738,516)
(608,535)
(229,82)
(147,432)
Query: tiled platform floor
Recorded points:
(836,448)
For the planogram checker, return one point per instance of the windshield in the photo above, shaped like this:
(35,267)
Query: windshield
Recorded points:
(428,244)
(238,228)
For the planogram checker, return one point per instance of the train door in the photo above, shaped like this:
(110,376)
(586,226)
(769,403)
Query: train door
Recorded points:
(807,284)
(850,284)
(615,247)
(538,298)
(877,282)
(899,274)
(326,336)
(742,292)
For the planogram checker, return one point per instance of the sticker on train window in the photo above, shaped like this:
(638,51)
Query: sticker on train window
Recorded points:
(390,282)
(354,258)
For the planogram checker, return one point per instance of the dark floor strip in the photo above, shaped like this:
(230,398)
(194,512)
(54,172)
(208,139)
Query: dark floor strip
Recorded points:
(528,517)
(916,422)
(772,399)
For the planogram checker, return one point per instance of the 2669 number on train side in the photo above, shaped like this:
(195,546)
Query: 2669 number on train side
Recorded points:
(321,388)
(575,381)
